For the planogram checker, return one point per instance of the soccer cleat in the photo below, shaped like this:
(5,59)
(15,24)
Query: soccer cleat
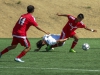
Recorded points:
(18,60)
(48,48)
(52,48)
(73,51)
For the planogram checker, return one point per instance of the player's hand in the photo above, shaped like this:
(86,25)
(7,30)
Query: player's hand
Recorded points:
(47,33)
(58,14)
(94,30)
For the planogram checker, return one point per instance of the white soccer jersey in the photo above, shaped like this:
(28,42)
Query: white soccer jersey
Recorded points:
(51,39)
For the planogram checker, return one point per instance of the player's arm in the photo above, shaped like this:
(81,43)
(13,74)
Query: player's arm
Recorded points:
(62,15)
(90,29)
(34,23)
(42,30)
(61,40)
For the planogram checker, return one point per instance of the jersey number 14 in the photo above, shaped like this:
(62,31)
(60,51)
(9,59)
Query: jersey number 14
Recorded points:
(21,21)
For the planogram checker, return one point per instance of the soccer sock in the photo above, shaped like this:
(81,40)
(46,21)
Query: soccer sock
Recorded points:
(73,44)
(4,51)
(21,54)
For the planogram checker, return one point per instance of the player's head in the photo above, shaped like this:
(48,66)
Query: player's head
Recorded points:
(39,44)
(80,17)
(30,9)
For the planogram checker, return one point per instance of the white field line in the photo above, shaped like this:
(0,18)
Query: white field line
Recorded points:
(50,69)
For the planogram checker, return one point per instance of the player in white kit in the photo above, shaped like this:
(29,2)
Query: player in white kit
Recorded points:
(51,40)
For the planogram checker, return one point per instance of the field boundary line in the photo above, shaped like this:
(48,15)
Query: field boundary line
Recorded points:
(51,69)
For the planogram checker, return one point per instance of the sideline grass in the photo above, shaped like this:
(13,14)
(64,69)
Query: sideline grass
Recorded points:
(57,62)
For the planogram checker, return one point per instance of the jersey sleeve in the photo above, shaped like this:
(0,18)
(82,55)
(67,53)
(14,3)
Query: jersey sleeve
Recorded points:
(33,22)
(70,17)
(81,25)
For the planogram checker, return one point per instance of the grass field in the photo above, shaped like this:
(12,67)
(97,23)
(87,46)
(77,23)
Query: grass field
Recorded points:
(57,62)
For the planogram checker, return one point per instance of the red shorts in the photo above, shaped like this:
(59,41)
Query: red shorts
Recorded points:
(23,41)
(66,35)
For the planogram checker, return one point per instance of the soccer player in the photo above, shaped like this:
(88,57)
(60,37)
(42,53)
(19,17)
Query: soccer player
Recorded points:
(19,33)
(70,27)
(50,40)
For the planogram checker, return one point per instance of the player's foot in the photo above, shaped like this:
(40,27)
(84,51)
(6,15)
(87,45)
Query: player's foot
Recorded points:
(72,50)
(48,48)
(52,48)
(18,60)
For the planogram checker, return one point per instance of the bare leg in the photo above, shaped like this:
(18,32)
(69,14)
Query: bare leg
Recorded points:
(23,52)
(7,49)
(76,38)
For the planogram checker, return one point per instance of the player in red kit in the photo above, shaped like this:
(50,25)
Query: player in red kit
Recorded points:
(69,29)
(19,33)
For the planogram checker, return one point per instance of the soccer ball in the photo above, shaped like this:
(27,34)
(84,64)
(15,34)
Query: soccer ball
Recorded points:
(85,46)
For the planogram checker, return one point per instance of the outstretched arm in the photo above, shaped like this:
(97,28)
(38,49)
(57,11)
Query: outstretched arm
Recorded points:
(90,29)
(60,42)
(62,15)
(42,30)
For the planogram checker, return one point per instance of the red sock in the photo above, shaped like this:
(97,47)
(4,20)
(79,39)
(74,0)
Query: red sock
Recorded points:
(4,51)
(73,44)
(21,54)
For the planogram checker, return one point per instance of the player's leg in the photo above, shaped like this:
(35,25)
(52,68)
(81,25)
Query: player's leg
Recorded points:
(62,36)
(26,43)
(13,46)
(7,49)
(23,53)
(48,48)
(74,43)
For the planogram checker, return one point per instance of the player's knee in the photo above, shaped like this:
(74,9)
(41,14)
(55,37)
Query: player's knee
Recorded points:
(28,48)
(76,39)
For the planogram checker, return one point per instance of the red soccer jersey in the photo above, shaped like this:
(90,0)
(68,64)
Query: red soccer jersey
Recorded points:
(23,24)
(71,26)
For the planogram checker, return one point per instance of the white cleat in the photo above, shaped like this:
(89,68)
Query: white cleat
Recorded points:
(18,60)
(52,48)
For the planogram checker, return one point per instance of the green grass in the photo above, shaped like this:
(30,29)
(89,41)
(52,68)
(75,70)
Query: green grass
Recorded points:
(57,62)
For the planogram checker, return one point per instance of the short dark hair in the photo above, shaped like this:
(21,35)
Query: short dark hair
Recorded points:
(81,16)
(39,44)
(30,8)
